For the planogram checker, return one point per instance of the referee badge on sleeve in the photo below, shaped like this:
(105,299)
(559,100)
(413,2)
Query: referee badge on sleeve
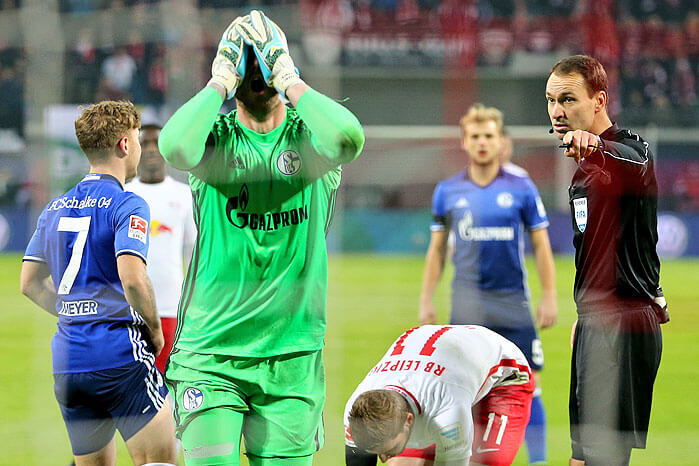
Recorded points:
(580,212)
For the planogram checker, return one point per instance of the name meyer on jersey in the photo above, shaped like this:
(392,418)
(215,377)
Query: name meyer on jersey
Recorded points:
(83,307)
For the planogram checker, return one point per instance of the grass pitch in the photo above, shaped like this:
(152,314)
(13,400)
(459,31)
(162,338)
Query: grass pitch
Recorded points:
(372,299)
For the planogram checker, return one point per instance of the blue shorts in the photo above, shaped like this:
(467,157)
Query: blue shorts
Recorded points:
(95,404)
(527,340)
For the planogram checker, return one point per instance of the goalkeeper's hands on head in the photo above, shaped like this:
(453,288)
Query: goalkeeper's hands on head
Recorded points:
(270,46)
(228,67)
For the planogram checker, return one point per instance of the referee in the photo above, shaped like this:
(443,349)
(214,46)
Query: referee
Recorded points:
(613,199)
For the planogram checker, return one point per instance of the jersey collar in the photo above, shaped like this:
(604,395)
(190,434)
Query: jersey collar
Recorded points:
(610,133)
(100,176)
(412,401)
(467,177)
(270,137)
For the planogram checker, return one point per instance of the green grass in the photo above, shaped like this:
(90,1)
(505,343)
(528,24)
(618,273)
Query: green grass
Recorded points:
(372,299)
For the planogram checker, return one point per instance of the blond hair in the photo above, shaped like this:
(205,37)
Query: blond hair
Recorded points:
(100,126)
(376,417)
(479,113)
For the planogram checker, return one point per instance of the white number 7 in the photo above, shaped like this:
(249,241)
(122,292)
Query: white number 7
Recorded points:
(79,225)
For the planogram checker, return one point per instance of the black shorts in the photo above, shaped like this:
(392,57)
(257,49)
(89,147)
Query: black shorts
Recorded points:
(95,404)
(615,359)
(527,340)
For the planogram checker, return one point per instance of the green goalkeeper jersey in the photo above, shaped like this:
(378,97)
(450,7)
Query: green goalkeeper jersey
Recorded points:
(257,282)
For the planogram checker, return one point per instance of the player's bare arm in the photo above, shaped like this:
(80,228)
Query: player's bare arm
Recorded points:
(547,311)
(139,293)
(35,285)
(434,266)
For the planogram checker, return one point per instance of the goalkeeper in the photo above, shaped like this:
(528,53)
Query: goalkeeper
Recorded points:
(251,321)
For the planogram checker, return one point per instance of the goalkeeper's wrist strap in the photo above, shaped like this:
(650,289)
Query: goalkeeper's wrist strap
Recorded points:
(285,80)
(229,93)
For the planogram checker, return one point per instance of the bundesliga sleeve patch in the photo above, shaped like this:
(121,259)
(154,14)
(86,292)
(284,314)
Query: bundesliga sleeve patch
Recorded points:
(138,228)
(451,436)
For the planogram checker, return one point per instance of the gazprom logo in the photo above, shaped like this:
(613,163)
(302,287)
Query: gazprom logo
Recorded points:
(468,232)
(268,221)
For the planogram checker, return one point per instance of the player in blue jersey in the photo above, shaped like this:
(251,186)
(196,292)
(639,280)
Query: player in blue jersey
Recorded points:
(487,209)
(91,242)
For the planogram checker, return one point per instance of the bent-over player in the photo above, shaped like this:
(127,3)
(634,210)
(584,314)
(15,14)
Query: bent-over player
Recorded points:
(441,393)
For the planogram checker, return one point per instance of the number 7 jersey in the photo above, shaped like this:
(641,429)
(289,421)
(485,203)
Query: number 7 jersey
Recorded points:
(79,235)
(442,371)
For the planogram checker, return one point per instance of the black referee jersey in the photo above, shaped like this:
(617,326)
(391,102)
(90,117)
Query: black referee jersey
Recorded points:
(613,201)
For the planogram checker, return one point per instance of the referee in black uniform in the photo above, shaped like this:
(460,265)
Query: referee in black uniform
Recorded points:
(613,201)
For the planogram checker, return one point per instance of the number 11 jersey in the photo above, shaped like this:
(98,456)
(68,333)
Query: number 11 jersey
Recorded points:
(442,371)
(79,235)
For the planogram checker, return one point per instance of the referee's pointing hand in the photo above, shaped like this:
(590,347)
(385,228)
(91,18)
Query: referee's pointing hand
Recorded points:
(579,144)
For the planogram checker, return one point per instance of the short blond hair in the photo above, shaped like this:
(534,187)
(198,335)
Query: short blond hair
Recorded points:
(479,113)
(100,126)
(376,417)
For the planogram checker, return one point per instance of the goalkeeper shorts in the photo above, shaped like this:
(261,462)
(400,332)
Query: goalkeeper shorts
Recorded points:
(281,398)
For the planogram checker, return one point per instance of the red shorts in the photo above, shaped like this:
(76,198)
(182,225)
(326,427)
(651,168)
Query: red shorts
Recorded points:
(169,326)
(500,420)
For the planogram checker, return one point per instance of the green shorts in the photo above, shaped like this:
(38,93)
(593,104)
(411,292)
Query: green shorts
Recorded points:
(280,398)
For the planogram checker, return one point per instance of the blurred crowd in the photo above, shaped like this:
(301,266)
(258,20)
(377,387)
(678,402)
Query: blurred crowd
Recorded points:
(649,47)
(11,90)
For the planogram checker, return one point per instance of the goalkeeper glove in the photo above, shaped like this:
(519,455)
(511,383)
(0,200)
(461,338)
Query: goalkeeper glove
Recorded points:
(269,43)
(228,67)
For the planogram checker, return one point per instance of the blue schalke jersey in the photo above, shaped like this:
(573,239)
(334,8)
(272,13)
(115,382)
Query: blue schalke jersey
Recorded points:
(79,236)
(488,224)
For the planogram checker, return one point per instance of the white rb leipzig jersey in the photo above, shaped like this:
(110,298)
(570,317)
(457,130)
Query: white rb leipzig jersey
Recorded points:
(172,234)
(442,371)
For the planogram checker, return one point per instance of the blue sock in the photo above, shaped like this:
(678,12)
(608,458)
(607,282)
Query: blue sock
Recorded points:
(535,437)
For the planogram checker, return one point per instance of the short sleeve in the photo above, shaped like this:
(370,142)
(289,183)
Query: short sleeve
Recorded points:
(35,248)
(132,226)
(533,210)
(453,431)
(349,441)
(439,210)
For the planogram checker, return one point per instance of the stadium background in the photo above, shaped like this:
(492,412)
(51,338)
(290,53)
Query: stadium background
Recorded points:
(409,69)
